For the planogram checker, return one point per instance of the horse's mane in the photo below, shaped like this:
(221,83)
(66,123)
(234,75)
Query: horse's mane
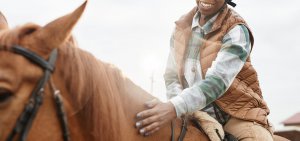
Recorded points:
(96,94)
(93,84)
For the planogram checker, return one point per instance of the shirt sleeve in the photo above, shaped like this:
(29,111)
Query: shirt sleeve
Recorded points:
(173,86)
(228,63)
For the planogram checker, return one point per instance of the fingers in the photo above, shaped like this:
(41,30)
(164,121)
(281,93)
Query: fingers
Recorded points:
(151,103)
(153,131)
(146,113)
(150,129)
(150,112)
(151,120)
(147,121)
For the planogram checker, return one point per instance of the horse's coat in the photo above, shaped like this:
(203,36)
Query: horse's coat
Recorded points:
(101,103)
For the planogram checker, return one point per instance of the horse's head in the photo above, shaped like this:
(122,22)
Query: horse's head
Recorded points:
(19,75)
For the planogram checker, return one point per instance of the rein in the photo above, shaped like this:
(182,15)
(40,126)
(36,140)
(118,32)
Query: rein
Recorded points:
(183,129)
(26,118)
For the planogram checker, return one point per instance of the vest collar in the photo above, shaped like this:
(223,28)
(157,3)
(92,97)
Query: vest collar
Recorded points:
(186,20)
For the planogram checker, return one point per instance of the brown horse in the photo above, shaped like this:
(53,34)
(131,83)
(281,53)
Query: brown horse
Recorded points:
(100,102)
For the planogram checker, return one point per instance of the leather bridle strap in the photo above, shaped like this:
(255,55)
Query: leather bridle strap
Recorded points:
(61,112)
(172,130)
(47,65)
(183,129)
(26,118)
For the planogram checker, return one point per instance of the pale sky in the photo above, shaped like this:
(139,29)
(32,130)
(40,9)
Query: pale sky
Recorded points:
(134,35)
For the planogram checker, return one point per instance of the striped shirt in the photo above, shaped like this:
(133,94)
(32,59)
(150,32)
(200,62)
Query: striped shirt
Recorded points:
(201,93)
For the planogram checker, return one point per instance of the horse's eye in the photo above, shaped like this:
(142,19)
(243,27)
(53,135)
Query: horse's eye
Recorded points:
(4,95)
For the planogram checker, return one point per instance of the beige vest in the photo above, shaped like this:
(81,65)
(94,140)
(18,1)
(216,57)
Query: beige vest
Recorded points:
(243,99)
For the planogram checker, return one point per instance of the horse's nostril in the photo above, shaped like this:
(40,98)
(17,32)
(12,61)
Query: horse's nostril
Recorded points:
(4,95)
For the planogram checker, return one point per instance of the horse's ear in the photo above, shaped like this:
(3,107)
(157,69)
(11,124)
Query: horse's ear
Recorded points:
(3,22)
(57,31)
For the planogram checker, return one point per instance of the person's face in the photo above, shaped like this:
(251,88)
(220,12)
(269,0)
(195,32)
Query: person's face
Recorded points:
(209,7)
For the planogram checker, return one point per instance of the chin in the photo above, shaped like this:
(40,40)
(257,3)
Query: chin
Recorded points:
(205,12)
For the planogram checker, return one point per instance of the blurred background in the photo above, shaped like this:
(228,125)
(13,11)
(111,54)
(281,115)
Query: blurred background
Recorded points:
(134,35)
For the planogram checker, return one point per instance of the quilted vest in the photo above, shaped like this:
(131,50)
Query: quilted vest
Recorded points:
(243,99)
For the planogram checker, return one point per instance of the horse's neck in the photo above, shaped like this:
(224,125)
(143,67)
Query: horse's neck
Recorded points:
(90,94)
(134,99)
(104,102)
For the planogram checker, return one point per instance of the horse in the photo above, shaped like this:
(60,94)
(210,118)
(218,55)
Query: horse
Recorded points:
(95,101)
(99,102)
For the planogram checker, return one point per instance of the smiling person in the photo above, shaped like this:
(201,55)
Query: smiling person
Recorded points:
(209,69)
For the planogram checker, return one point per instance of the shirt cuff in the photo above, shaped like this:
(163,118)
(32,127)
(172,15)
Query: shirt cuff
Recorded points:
(179,104)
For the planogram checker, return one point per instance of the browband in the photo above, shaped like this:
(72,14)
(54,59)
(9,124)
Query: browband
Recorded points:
(34,57)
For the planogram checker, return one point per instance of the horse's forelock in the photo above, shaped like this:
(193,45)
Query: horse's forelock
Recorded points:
(10,37)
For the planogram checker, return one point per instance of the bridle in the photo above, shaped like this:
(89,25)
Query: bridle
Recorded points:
(25,120)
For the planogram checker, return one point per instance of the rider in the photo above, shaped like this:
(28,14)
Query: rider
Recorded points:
(209,69)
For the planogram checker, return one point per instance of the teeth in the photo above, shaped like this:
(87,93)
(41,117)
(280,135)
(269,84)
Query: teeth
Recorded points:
(206,5)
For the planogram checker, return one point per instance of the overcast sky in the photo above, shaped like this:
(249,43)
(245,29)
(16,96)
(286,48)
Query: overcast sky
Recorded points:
(134,35)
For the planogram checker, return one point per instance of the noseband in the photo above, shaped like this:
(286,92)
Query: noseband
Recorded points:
(26,118)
